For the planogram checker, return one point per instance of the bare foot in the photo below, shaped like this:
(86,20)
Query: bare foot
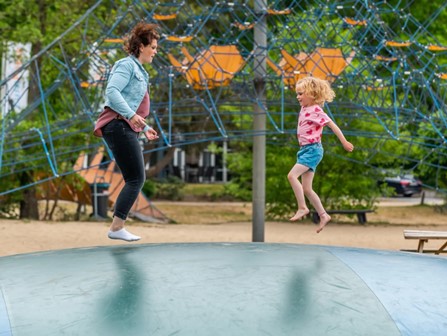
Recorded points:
(300,214)
(324,219)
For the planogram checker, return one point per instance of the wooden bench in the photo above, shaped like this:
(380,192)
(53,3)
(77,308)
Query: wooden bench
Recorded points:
(361,214)
(425,236)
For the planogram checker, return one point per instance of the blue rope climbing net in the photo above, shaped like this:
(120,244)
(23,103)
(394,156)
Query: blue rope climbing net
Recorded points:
(388,70)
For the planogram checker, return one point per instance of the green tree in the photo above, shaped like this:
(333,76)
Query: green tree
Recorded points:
(39,23)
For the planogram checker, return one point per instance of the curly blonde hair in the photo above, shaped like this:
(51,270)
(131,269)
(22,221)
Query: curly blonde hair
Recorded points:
(318,89)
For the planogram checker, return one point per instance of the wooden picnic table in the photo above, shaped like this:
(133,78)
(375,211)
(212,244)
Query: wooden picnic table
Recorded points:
(425,236)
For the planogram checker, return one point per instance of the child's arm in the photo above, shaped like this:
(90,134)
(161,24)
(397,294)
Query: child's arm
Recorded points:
(337,131)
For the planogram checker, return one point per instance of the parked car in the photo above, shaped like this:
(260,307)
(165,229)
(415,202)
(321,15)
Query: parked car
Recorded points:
(405,185)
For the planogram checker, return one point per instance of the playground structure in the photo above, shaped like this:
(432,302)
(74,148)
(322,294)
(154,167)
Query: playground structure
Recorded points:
(389,76)
(141,209)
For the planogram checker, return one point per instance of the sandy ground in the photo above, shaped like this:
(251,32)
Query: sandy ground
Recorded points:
(231,222)
(23,237)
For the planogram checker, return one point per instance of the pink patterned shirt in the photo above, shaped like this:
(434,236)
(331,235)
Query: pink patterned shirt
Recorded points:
(311,121)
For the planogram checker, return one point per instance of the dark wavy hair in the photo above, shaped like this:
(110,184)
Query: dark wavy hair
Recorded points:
(142,33)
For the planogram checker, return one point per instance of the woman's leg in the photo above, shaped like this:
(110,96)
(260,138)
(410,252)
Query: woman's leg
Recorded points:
(126,148)
(293,176)
(313,197)
(131,163)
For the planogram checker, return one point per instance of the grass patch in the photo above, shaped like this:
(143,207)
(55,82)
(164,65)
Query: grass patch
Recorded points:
(221,212)
(211,213)
(202,189)
(206,192)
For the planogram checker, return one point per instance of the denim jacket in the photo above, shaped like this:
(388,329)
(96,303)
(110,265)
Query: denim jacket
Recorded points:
(126,86)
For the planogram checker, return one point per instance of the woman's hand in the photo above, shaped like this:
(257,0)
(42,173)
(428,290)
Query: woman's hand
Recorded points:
(151,134)
(138,121)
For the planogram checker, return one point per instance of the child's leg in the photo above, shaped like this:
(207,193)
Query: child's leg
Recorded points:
(315,199)
(293,176)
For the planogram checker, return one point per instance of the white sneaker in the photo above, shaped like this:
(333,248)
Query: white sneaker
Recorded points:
(123,234)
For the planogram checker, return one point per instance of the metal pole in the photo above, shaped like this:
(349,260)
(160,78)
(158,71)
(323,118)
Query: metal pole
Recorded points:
(259,118)
(224,162)
(95,200)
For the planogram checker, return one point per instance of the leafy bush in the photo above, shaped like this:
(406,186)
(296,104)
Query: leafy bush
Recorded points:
(170,189)
(240,165)
(149,188)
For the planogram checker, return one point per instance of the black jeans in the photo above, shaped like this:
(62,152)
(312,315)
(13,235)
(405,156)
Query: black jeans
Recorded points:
(126,148)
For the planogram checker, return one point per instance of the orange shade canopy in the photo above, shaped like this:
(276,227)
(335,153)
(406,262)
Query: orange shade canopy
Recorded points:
(354,22)
(211,68)
(324,63)
(397,44)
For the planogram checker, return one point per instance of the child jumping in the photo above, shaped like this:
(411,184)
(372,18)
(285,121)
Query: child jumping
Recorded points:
(312,93)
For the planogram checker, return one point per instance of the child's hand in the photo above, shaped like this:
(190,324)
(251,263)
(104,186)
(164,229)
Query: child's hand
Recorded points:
(348,146)
(151,134)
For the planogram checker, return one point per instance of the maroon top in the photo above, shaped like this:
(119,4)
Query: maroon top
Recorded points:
(108,115)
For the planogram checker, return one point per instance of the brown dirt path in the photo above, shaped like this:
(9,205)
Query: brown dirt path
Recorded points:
(23,237)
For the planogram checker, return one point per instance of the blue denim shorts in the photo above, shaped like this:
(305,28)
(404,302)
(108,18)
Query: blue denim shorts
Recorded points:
(310,155)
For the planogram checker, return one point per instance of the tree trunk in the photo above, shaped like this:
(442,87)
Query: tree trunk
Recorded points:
(53,209)
(153,171)
(78,211)
(29,206)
